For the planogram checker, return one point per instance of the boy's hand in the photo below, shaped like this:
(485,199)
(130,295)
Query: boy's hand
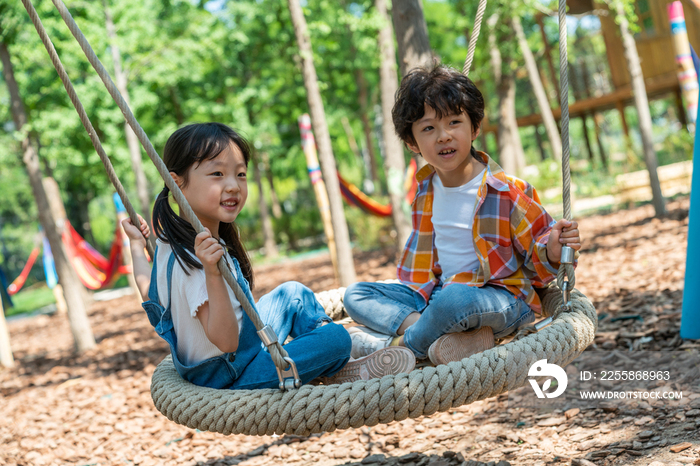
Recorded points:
(209,251)
(564,233)
(134,234)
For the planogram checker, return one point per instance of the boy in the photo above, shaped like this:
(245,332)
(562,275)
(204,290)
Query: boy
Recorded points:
(480,244)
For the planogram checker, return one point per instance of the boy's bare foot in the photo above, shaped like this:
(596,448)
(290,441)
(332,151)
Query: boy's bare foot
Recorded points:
(457,346)
(387,361)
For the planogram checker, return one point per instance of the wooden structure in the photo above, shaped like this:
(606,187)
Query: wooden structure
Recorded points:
(656,51)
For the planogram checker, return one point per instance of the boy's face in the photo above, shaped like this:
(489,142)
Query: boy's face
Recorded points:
(445,143)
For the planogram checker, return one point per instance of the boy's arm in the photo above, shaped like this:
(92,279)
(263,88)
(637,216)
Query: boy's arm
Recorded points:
(530,238)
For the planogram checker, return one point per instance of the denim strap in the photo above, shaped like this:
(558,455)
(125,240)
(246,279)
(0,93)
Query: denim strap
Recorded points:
(171,263)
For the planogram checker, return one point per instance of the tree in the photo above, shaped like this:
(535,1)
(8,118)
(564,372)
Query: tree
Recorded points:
(120,79)
(510,148)
(394,163)
(550,124)
(6,358)
(641,103)
(268,231)
(411,35)
(73,290)
(346,267)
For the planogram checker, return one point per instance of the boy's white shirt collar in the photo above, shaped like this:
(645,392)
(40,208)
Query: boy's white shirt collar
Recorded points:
(493,176)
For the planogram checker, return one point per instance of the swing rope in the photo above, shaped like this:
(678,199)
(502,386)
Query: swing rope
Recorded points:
(474,37)
(83,116)
(311,409)
(277,352)
(566,269)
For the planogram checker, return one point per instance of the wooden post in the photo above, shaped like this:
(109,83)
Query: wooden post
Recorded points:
(684,61)
(6,358)
(309,144)
(621,109)
(584,121)
(538,138)
(59,213)
(599,140)
(682,118)
(548,53)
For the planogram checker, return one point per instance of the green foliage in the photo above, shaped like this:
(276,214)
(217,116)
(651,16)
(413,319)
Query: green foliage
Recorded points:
(238,63)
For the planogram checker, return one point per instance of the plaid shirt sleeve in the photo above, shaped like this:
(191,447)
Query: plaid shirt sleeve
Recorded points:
(531,234)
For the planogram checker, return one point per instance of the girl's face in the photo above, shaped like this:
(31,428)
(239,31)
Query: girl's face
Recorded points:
(217,188)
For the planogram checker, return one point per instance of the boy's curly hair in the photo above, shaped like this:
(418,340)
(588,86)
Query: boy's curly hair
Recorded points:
(442,88)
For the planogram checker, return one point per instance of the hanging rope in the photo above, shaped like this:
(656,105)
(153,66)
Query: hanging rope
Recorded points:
(83,117)
(566,270)
(474,37)
(277,352)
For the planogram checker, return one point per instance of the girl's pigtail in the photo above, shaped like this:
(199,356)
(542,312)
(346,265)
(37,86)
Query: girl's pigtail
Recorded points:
(170,228)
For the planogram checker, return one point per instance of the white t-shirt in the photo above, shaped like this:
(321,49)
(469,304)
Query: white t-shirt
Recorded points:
(453,219)
(189,292)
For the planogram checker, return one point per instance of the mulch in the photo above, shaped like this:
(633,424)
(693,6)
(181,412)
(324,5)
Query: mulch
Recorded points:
(59,408)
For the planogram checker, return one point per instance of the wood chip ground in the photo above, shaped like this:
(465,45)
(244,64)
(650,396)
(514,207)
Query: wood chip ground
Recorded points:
(95,409)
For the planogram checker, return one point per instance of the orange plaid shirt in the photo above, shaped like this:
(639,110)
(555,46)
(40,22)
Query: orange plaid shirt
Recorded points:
(510,234)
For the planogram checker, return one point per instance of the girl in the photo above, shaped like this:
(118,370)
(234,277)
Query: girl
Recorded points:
(212,341)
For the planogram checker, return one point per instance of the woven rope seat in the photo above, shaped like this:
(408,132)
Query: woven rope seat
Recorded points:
(325,408)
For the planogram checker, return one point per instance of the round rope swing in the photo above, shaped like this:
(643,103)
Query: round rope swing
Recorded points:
(569,326)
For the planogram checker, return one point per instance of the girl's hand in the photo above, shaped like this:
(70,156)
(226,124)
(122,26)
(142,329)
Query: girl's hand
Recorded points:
(136,234)
(564,233)
(208,251)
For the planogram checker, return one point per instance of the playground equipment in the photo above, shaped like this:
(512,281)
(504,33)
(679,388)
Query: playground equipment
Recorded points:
(354,196)
(307,409)
(687,76)
(18,282)
(94,270)
(690,314)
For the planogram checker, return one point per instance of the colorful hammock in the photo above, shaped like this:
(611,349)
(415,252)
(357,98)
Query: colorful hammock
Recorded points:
(354,196)
(18,282)
(94,270)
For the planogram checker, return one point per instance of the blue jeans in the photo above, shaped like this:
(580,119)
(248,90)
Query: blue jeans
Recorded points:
(454,308)
(318,350)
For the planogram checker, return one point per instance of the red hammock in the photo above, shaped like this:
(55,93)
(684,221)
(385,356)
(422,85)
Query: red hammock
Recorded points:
(18,282)
(94,270)
(354,196)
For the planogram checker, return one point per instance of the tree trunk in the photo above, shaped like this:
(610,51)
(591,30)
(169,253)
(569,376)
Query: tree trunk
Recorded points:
(346,267)
(642,104)
(394,163)
(268,231)
(276,208)
(131,139)
(6,358)
(367,126)
(509,146)
(413,42)
(411,35)
(550,124)
(73,290)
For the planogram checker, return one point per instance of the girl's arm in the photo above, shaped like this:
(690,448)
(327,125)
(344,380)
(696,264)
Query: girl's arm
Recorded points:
(216,315)
(137,244)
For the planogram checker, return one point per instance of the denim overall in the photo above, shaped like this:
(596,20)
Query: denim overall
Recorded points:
(320,347)
(219,371)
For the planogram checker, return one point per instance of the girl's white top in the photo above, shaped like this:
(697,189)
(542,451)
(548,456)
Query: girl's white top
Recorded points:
(453,220)
(188,293)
